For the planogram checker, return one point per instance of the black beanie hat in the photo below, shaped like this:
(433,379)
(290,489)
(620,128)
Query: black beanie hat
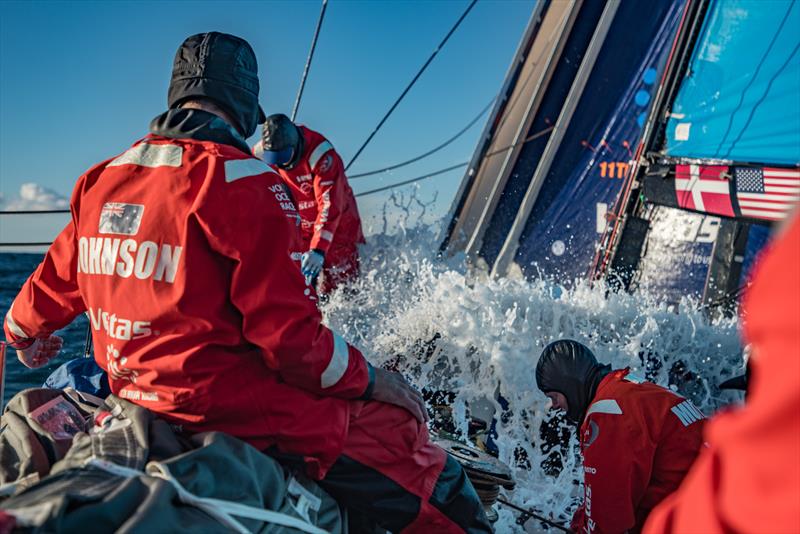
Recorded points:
(220,67)
(571,369)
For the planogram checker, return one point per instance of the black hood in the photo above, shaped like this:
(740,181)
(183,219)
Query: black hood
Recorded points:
(197,124)
(220,67)
(571,369)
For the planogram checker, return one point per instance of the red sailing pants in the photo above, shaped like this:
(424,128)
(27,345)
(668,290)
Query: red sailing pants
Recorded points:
(390,472)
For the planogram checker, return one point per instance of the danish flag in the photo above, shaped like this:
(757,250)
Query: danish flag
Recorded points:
(704,188)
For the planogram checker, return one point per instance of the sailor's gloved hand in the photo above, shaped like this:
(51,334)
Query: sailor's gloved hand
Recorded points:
(392,388)
(41,351)
(311,264)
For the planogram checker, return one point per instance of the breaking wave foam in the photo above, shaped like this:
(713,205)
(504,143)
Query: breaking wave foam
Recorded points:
(490,335)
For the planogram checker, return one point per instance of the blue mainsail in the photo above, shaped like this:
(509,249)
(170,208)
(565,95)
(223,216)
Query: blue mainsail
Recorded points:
(740,100)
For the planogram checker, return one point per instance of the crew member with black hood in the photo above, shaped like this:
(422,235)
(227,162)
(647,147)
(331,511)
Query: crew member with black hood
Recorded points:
(180,251)
(638,439)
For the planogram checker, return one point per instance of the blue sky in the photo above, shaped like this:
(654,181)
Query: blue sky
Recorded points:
(80,81)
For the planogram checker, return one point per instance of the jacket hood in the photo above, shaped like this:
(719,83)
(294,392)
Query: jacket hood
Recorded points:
(571,369)
(220,67)
(197,124)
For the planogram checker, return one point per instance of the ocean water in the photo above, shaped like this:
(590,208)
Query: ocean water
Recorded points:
(489,337)
(14,270)
(489,334)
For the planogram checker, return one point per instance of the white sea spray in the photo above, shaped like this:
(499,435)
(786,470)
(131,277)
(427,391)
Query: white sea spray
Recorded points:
(490,335)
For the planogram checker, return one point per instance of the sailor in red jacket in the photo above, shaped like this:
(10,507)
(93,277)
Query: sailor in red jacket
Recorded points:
(179,249)
(314,173)
(748,478)
(638,439)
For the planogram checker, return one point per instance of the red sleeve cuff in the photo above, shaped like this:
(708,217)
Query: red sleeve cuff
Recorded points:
(321,240)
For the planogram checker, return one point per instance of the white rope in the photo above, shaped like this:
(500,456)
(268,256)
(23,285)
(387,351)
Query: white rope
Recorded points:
(222,511)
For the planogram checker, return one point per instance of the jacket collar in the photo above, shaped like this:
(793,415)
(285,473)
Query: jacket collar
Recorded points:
(199,125)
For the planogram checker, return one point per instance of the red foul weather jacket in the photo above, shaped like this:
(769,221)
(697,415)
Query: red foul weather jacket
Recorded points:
(748,478)
(638,441)
(179,251)
(328,210)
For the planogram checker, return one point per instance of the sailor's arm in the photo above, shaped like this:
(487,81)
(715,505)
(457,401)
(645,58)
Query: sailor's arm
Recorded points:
(329,192)
(244,220)
(48,300)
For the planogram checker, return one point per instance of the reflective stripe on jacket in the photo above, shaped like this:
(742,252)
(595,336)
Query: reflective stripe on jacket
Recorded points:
(179,252)
(638,440)
(325,201)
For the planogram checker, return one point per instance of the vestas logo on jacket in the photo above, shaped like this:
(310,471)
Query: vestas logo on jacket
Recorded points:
(117,327)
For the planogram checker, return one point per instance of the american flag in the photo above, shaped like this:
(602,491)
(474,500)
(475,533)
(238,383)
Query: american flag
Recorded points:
(767,193)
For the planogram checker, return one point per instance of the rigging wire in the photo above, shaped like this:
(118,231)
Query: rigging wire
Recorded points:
(362,194)
(505,113)
(432,151)
(308,61)
(413,81)
(412,180)
(457,165)
(25,212)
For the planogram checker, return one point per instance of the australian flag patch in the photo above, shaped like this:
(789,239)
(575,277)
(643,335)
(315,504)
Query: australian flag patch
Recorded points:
(120,218)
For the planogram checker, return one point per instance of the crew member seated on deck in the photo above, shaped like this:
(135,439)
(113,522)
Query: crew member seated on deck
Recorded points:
(314,173)
(179,250)
(637,439)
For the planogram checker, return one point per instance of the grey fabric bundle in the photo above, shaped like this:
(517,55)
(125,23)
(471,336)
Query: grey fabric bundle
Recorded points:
(110,477)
